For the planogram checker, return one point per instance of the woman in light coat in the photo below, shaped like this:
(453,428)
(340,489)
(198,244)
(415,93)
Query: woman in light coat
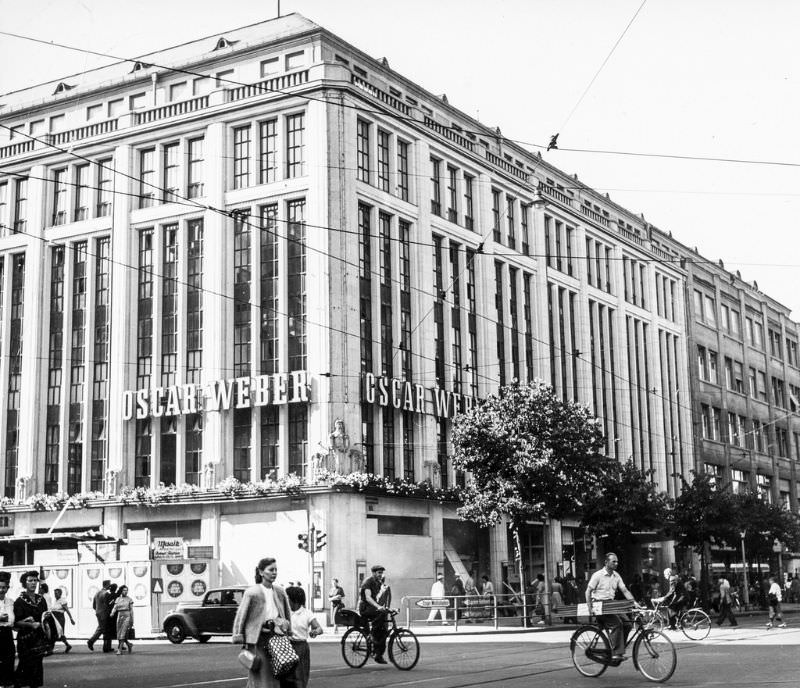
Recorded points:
(263,605)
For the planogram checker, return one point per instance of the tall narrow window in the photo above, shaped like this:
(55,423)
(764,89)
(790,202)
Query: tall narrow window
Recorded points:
(270,292)
(402,170)
(171,172)
(270,447)
(362,151)
(169,434)
(102,320)
(510,219)
(144,352)
(436,188)
(472,324)
(296,281)
(385,267)
(242,421)
(438,311)
(469,219)
(500,327)
(388,444)
(528,317)
(241,296)
(456,362)
(408,446)
(496,216)
(365,286)
(193,448)
(525,211)
(196,188)
(169,307)
(81,211)
(383,161)
(298,438)
(143,452)
(55,363)
(21,206)
(104,188)
(77,369)
(59,197)
(3,208)
(452,194)
(14,372)
(241,157)
(514,309)
(147,177)
(268,151)
(405,298)
(295,145)
(194,308)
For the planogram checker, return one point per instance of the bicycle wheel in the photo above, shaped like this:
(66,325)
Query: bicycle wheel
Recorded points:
(654,656)
(590,651)
(355,648)
(404,650)
(695,624)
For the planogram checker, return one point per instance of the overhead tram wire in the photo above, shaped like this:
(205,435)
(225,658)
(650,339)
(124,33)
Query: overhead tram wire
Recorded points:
(594,78)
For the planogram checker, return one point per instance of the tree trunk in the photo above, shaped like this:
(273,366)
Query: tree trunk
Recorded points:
(521,569)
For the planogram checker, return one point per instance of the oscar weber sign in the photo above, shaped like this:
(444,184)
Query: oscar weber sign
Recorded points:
(412,396)
(222,395)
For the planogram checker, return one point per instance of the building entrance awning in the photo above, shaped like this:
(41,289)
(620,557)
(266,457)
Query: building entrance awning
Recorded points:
(85,536)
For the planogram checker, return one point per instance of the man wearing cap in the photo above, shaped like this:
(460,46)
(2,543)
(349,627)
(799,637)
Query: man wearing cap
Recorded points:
(374,612)
(437,597)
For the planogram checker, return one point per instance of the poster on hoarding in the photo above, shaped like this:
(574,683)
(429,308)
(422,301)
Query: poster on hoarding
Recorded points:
(168,548)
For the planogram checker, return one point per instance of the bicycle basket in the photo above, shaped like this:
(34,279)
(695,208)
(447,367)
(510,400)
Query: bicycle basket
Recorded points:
(347,617)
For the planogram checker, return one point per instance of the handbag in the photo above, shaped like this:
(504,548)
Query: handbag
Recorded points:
(249,660)
(282,656)
(131,633)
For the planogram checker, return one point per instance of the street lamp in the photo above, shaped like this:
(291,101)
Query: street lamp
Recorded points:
(744,571)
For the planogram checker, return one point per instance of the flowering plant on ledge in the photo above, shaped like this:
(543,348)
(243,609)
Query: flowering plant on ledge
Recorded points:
(232,488)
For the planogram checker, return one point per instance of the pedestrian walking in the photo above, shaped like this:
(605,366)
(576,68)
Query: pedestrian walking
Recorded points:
(7,651)
(263,611)
(304,626)
(123,610)
(102,606)
(111,624)
(437,598)
(795,588)
(32,644)
(60,611)
(725,610)
(457,591)
(336,598)
(774,599)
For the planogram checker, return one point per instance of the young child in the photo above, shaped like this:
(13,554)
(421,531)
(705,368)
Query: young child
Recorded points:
(304,626)
(774,597)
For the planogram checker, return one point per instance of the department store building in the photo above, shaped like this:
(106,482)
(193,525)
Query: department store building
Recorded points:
(212,254)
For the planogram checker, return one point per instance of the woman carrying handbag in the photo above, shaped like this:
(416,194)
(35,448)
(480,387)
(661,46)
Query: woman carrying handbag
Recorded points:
(262,620)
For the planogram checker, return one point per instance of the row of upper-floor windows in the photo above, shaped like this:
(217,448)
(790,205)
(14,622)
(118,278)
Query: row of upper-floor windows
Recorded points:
(730,322)
(719,425)
(779,392)
(740,483)
(383,160)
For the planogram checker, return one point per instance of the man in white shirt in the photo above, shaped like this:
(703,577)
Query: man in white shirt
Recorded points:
(603,586)
(437,596)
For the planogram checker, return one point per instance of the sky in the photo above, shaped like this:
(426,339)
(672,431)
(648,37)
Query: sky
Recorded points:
(693,78)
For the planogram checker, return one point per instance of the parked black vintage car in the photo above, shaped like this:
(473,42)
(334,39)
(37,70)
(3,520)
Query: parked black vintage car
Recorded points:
(213,616)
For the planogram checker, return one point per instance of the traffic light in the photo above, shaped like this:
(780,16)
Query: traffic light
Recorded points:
(302,541)
(319,541)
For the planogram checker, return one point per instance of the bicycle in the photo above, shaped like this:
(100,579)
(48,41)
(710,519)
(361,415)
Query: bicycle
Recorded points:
(357,643)
(694,622)
(653,653)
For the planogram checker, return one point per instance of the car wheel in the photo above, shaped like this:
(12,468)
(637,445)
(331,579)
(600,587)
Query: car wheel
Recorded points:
(203,638)
(175,632)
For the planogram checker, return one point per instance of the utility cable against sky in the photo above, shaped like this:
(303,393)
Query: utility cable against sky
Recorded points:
(554,138)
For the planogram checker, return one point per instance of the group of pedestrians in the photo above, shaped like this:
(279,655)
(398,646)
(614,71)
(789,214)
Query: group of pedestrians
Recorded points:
(113,608)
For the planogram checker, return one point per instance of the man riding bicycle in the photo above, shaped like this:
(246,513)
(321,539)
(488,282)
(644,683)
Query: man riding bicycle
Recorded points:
(675,597)
(374,612)
(603,586)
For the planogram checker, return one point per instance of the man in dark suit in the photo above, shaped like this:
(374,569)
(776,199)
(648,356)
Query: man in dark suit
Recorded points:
(102,607)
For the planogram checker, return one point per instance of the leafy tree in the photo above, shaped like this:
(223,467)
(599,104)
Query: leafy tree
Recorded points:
(627,500)
(704,513)
(531,456)
(763,523)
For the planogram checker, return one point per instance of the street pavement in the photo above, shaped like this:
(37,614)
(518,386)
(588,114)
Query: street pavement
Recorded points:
(743,657)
